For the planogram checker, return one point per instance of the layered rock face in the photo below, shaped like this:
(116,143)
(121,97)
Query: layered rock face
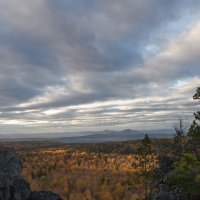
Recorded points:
(12,185)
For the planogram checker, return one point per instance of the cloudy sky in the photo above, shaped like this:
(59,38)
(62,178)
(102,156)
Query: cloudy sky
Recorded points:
(79,65)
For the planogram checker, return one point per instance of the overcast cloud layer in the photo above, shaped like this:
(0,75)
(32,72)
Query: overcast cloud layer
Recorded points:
(91,65)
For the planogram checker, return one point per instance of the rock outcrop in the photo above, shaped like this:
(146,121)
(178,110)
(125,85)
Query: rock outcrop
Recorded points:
(165,164)
(162,190)
(12,185)
(166,192)
(43,195)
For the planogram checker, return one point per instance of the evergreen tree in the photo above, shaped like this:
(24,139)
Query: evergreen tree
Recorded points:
(145,163)
(187,175)
(146,150)
(194,131)
(146,144)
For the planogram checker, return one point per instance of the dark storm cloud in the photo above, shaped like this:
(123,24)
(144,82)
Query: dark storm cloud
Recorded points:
(57,54)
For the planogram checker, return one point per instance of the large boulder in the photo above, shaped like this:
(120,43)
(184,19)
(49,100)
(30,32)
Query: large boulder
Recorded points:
(12,185)
(10,169)
(10,166)
(20,189)
(43,195)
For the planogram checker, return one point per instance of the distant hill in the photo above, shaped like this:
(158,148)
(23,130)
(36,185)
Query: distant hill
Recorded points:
(113,136)
(90,137)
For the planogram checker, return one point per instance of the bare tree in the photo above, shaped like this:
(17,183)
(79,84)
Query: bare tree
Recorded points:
(180,128)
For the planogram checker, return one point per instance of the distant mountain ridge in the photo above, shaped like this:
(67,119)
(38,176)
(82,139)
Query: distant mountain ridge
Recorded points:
(91,136)
(114,136)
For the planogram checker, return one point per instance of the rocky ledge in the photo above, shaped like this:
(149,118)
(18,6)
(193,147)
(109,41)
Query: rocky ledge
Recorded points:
(12,185)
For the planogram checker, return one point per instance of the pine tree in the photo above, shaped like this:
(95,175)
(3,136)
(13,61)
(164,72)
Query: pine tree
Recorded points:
(145,163)
(187,175)
(194,131)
